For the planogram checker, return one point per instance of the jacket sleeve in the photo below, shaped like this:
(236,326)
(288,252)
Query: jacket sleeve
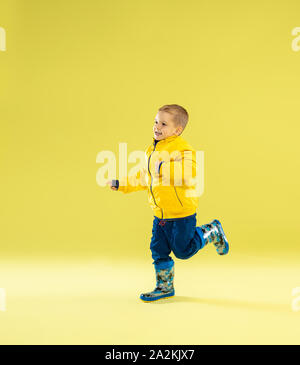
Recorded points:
(134,182)
(180,170)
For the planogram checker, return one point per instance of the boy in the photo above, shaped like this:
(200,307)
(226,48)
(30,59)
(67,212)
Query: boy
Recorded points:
(174,225)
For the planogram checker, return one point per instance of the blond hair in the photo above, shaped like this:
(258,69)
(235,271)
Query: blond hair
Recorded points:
(180,115)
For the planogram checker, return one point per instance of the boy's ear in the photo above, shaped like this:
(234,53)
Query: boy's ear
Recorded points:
(179,130)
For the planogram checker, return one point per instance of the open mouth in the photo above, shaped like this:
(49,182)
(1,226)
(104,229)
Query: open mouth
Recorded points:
(157,134)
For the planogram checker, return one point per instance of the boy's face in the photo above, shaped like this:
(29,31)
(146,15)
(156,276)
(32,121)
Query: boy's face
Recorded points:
(164,126)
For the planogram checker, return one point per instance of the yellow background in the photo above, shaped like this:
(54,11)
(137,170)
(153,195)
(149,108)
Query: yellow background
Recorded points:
(79,77)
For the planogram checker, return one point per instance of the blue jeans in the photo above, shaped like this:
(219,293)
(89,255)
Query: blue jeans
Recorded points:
(179,235)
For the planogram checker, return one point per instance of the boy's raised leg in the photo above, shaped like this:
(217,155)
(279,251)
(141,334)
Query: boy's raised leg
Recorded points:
(188,238)
(213,233)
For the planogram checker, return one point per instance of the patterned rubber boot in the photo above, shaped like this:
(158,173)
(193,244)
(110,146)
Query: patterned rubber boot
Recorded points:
(164,286)
(213,233)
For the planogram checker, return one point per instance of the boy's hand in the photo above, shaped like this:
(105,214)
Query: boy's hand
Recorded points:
(109,182)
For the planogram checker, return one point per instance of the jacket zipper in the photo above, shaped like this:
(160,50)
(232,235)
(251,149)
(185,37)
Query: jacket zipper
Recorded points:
(162,214)
(177,196)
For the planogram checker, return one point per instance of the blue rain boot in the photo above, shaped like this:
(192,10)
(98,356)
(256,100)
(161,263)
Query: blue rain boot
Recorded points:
(213,233)
(164,286)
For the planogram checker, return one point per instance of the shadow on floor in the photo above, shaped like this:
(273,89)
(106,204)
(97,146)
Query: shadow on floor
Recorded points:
(229,303)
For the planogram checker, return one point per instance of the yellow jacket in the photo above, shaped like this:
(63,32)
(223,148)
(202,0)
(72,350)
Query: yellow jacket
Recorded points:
(169,174)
